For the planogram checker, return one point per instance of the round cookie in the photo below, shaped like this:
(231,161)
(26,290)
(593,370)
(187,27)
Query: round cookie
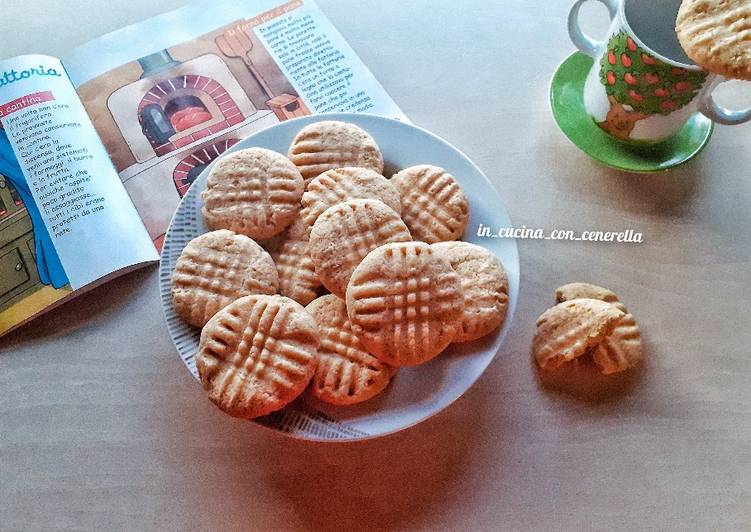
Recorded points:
(346,373)
(714,34)
(257,354)
(570,291)
(255,192)
(331,144)
(622,348)
(433,205)
(342,184)
(572,329)
(405,303)
(485,287)
(216,268)
(297,274)
(345,233)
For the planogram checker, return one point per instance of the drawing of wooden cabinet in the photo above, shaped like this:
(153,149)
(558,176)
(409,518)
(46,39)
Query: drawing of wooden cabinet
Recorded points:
(18,272)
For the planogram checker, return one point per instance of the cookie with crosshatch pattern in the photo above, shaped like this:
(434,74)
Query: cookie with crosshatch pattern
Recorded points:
(434,206)
(255,192)
(342,184)
(405,303)
(715,34)
(345,233)
(346,373)
(332,144)
(573,329)
(485,287)
(297,274)
(257,355)
(622,348)
(216,268)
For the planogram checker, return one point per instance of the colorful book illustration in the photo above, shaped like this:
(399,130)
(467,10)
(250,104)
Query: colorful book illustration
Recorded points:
(97,148)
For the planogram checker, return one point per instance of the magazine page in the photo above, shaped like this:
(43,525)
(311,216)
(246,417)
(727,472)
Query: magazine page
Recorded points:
(169,95)
(65,219)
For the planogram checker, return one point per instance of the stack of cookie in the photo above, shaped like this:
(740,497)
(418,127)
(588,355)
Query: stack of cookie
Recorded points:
(322,274)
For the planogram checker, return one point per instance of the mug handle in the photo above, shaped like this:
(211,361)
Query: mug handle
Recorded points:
(584,43)
(717,113)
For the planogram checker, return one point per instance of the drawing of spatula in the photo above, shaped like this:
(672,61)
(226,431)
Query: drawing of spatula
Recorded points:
(237,44)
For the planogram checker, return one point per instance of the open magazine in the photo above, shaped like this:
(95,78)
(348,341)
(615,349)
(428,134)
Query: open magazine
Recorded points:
(97,148)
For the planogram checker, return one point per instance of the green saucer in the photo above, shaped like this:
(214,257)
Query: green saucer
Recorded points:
(566,91)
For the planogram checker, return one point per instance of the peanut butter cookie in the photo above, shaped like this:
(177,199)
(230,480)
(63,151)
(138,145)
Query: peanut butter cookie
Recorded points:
(621,349)
(485,287)
(342,184)
(346,373)
(331,144)
(257,355)
(254,192)
(345,233)
(434,206)
(216,268)
(405,303)
(715,34)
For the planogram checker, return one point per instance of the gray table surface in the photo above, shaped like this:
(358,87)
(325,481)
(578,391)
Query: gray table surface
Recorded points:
(102,428)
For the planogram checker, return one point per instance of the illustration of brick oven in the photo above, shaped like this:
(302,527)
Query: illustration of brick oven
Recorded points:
(176,119)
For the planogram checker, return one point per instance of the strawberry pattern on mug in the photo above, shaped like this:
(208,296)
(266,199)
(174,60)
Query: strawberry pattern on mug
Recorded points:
(640,85)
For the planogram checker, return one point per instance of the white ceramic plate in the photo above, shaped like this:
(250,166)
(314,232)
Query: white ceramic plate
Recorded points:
(415,394)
